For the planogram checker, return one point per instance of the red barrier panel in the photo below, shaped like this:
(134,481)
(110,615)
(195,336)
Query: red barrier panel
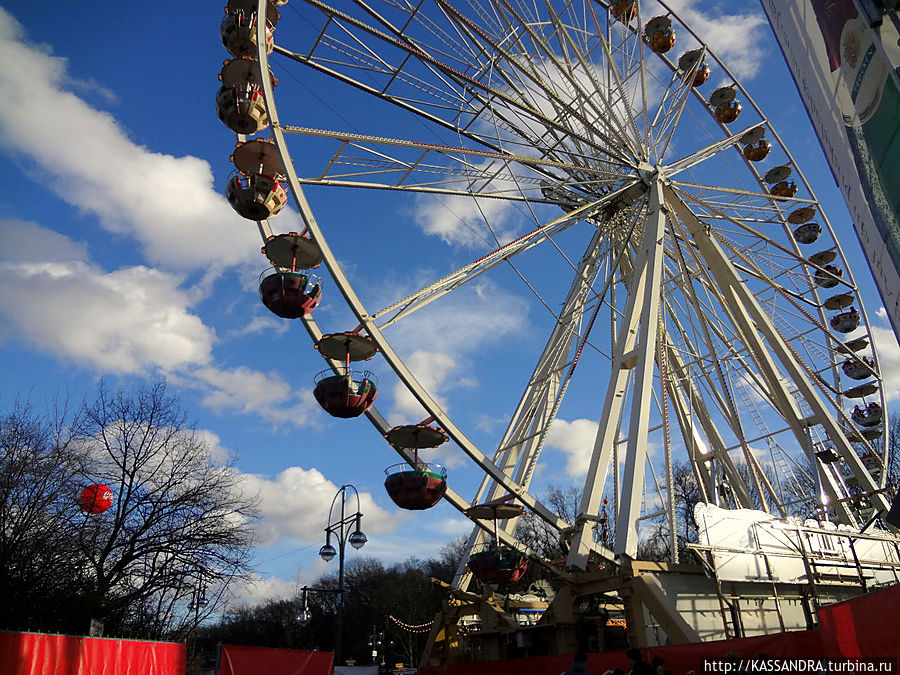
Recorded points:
(40,654)
(867,625)
(677,658)
(255,660)
(863,626)
(803,644)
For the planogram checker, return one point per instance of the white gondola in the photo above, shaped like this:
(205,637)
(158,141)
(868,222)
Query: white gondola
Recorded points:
(238,33)
(859,369)
(868,416)
(807,233)
(845,322)
(828,276)
(242,109)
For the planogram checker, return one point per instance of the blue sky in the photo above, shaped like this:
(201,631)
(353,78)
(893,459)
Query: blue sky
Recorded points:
(113,173)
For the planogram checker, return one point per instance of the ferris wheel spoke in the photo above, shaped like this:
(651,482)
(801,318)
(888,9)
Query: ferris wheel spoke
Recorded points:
(668,114)
(608,115)
(539,405)
(453,281)
(610,130)
(706,153)
(720,354)
(451,91)
(532,87)
(367,161)
(741,198)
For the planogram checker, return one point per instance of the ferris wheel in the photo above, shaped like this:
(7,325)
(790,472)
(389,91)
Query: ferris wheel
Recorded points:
(685,291)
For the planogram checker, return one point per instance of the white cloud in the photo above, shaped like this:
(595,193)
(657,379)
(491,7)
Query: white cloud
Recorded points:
(461,221)
(133,320)
(453,527)
(292,505)
(167,203)
(126,321)
(251,392)
(432,370)
(256,590)
(576,440)
(734,38)
(260,324)
(218,454)
(26,241)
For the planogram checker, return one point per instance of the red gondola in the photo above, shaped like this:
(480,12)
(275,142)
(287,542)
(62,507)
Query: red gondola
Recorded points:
(497,563)
(347,395)
(416,486)
(500,565)
(416,489)
(289,295)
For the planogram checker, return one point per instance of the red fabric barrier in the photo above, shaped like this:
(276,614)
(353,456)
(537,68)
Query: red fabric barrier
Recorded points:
(678,658)
(868,625)
(682,658)
(264,660)
(39,654)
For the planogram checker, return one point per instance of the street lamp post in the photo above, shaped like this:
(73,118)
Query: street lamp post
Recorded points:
(342,531)
(198,602)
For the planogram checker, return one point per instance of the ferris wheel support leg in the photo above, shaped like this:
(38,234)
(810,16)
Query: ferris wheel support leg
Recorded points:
(756,325)
(634,354)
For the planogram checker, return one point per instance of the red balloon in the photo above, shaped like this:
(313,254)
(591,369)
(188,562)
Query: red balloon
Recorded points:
(96,498)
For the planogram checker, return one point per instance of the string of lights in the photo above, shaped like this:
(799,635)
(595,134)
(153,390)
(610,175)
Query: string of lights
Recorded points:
(421,628)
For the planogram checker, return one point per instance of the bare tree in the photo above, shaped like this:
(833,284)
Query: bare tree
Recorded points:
(40,470)
(565,501)
(180,522)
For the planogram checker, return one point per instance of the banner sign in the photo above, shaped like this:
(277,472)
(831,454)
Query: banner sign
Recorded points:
(846,81)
